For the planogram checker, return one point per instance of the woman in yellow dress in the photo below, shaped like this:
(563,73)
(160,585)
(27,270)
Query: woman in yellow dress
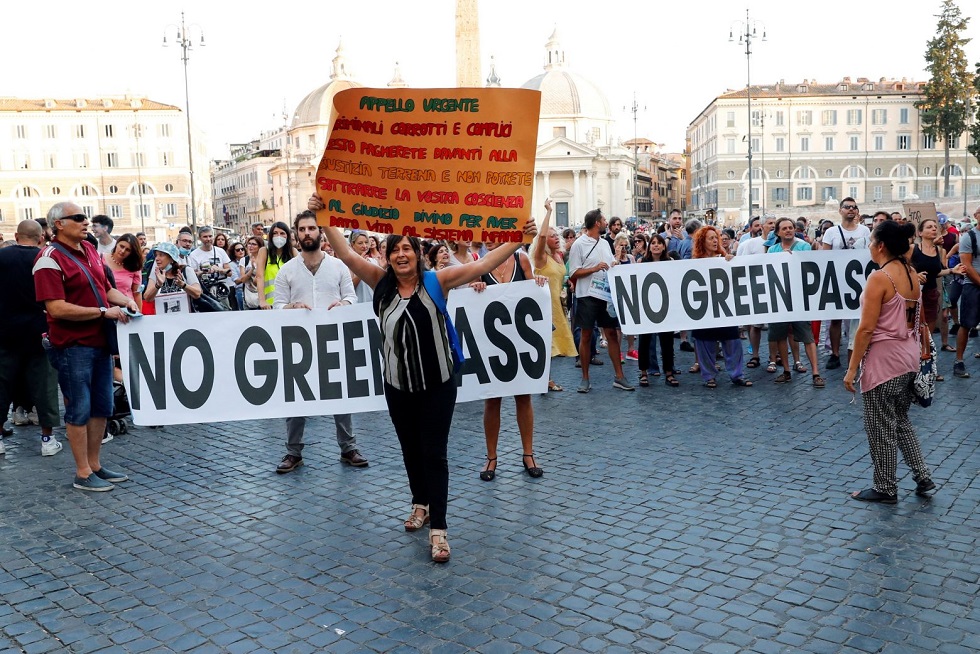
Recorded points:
(547,257)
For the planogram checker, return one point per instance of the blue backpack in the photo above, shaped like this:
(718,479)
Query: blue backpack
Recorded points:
(431,282)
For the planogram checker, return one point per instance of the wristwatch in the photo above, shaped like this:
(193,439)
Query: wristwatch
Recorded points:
(102,310)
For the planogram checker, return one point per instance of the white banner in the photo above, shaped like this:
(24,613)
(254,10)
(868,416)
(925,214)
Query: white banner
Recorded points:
(214,367)
(701,293)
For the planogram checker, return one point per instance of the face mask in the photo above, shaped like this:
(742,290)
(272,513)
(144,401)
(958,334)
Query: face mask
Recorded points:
(169,266)
(279,241)
(183,252)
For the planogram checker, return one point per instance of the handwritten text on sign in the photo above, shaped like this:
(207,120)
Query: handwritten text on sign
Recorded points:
(215,367)
(763,288)
(454,164)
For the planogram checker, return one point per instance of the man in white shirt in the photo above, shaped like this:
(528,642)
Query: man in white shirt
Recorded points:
(101,228)
(211,265)
(757,245)
(588,262)
(849,235)
(310,281)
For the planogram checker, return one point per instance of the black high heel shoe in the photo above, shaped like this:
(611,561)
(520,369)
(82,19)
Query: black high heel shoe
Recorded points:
(533,471)
(489,473)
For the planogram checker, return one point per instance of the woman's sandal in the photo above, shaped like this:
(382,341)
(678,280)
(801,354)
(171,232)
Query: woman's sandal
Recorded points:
(799,367)
(819,382)
(711,383)
(947,348)
(754,362)
(772,367)
(696,368)
(553,386)
(671,381)
(742,381)
(871,495)
(940,378)
(439,545)
(488,473)
(532,470)
(419,517)
(644,380)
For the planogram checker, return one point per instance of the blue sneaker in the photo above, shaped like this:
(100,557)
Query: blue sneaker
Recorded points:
(108,475)
(92,483)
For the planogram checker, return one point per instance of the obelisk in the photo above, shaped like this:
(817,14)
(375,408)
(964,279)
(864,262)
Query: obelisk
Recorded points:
(467,44)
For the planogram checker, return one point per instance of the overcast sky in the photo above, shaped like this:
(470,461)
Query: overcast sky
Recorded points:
(675,57)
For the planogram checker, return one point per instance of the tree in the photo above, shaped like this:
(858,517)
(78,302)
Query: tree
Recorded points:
(945,98)
(975,129)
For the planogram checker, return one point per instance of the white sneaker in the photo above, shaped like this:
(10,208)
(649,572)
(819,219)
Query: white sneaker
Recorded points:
(32,416)
(3,450)
(20,417)
(108,437)
(50,447)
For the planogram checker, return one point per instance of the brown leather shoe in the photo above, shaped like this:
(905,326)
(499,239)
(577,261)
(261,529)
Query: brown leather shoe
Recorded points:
(289,463)
(354,458)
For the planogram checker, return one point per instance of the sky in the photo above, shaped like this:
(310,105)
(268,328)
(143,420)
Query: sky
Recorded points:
(674,58)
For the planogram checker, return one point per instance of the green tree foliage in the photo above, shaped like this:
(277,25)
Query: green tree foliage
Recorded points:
(975,128)
(943,107)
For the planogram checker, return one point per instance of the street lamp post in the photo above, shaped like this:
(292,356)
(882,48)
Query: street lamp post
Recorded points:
(635,108)
(184,40)
(285,158)
(747,32)
(966,153)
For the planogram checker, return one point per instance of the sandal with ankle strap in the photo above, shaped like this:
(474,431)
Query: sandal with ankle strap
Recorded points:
(439,545)
(416,520)
(489,473)
(533,470)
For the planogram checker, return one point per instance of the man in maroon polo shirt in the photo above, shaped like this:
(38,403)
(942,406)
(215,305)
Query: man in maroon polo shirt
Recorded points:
(78,350)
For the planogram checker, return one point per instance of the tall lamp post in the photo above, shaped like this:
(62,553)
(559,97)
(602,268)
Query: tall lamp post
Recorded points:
(747,31)
(285,159)
(966,153)
(635,108)
(185,41)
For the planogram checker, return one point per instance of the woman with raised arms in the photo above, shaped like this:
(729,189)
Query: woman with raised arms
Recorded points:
(420,387)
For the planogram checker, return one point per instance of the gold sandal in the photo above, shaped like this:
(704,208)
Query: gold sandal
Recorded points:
(419,517)
(439,545)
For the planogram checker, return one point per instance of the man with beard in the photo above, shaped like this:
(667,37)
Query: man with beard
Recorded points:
(314,281)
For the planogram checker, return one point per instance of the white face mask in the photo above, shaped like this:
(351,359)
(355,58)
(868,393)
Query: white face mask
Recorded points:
(279,241)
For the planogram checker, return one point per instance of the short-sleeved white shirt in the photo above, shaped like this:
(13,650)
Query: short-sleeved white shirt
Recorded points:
(584,255)
(858,238)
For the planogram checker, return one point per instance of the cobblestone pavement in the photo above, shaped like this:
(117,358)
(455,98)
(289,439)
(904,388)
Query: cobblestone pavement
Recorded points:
(668,520)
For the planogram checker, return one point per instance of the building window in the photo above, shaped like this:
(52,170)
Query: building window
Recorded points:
(113,189)
(903,190)
(731,174)
(86,190)
(50,131)
(877,172)
(904,141)
(22,161)
(779,174)
(780,144)
(779,118)
(903,116)
(170,209)
(558,132)
(854,116)
(756,118)
(109,131)
(828,143)
(165,130)
(79,131)
(953,142)
(804,172)
(927,191)
(779,195)
(144,189)
(828,173)
(50,160)
(879,142)
(804,117)
(804,144)
(756,144)
(115,211)
(879,116)
(827,193)
(854,143)
(139,160)
(26,213)
(804,193)
(730,143)
(730,119)
(169,188)
(55,190)
(112,160)
(876,193)
(928,142)
(20,131)
(730,193)
(81,160)
(852,191)
(854,171)
(142,211)
(828,117)
(903,170)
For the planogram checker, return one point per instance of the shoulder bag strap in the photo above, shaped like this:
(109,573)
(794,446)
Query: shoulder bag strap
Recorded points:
(88,274)
(843,241)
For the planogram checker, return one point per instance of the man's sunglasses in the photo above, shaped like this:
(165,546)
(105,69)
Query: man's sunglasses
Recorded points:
(848,206)
(78,218)
(239,249)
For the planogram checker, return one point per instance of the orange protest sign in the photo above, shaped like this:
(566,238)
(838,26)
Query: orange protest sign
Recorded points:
(454,164)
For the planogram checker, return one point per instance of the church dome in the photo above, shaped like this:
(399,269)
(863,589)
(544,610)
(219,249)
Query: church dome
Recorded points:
(315,108)
(564,93)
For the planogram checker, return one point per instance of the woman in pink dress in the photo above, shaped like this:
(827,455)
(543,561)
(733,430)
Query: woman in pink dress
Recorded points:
(126,263)
(892,335)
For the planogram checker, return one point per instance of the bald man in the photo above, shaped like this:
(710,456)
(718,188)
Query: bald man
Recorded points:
(21,354)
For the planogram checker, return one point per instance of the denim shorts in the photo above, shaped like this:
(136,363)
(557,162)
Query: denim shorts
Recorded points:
(85,377)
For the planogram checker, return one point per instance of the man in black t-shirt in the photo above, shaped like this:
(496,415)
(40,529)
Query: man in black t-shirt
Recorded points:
(21,354)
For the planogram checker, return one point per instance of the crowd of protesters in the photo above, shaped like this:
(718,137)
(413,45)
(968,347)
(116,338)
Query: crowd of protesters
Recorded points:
(79,280)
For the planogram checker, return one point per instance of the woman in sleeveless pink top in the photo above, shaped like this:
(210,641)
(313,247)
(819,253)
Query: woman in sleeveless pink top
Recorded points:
(888,347)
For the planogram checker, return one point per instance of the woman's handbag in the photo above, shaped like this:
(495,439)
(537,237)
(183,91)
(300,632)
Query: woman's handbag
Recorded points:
(251,294)
(924,384)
